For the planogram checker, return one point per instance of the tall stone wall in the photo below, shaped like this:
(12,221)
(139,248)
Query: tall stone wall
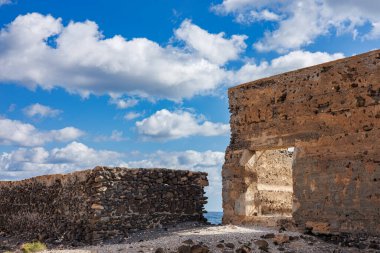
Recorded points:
(100,204)
(330,113)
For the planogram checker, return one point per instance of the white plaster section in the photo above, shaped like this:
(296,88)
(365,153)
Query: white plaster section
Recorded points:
(271,187)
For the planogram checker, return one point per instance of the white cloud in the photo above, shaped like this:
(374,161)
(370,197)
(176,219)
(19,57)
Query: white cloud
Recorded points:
(239,6)
(208,161)
(14,132)
(27,162)
(214,47)
(375,32)
(115,136)
(166,125)
(185,159)
(255,16)
(132,115)
(264,15)
(4,2)
(291,33)
(38,50)
(64,134)
(41,111)
(124,103)
(79,154)
(291,61)
(301,22)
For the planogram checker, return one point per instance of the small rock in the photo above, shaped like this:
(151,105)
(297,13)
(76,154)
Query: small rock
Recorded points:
(361,246)
(169,195)
(99,179)
(243,249)
(199,249)
(160,250)
(262,244)
(230,245)
(102,189)
(374,245)
(97,206)
(139,197)
(282,229)
(268,236)
(220,245)
(189,241)
(280,239)
(184,249)
(75,244)
(42,237)
(4,248)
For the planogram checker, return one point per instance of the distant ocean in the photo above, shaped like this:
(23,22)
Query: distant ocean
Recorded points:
(214,217)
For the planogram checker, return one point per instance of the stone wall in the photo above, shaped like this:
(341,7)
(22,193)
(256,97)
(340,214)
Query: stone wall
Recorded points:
(330,113)
(100,204)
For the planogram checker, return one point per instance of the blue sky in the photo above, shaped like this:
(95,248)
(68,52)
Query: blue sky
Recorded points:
(143,83)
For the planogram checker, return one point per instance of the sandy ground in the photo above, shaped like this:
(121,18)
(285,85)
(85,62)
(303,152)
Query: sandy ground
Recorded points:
(212,236)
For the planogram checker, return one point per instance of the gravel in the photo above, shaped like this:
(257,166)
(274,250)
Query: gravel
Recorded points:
(217,239)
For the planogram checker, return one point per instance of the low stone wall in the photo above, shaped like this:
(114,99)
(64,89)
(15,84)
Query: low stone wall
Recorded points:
(102,203)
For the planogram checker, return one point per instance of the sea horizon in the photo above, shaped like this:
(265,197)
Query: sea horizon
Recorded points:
(214,217)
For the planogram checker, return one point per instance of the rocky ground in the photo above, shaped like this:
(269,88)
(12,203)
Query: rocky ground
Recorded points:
(226,239)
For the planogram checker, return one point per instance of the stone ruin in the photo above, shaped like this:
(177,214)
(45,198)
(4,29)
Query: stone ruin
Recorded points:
(104,203)
(305,148)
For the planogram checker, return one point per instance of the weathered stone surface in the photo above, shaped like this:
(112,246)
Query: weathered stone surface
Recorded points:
(99,204)
(330,114)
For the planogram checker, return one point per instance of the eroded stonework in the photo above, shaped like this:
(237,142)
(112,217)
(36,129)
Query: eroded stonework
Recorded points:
(99,204)
(330,114)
